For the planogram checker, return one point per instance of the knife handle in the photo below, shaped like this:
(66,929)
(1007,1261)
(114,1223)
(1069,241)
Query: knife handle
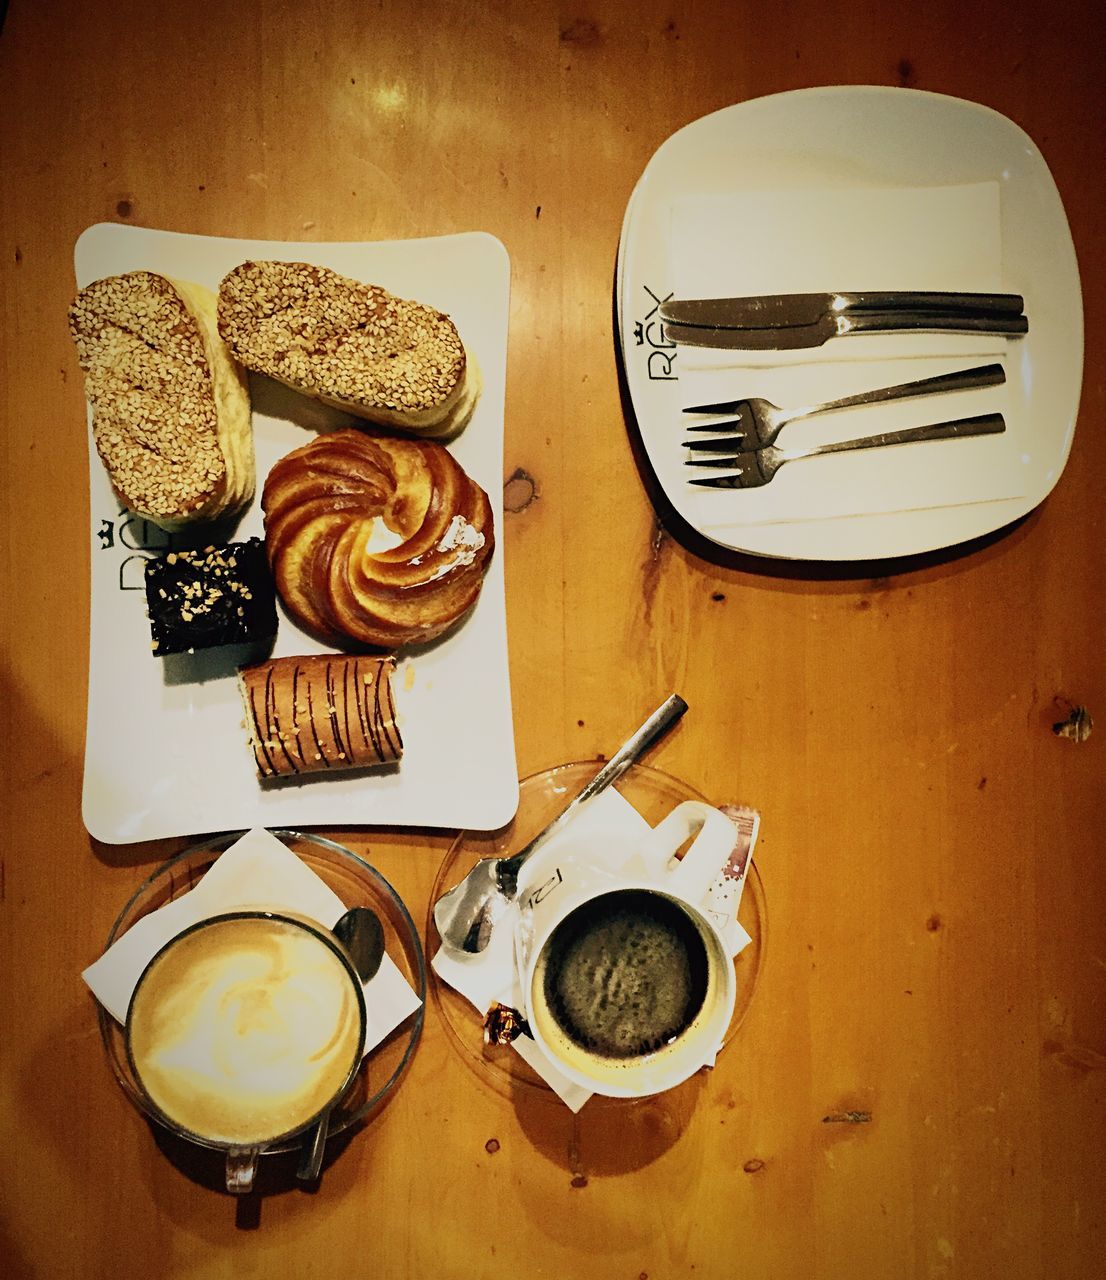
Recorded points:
(927,300)
(928,322)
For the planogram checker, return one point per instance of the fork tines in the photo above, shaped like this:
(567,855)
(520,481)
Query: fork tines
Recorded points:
(720,482)
(720,444)
(726,460)
(728,424)
(723,406)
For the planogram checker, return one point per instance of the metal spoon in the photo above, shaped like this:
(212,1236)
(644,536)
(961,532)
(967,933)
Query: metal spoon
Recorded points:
(362,935)
(467,913)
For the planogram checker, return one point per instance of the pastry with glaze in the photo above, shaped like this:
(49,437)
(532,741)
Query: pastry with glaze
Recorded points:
(374,539)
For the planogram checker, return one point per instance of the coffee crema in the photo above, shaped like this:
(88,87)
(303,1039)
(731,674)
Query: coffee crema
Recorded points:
(625,974)
(243,1030)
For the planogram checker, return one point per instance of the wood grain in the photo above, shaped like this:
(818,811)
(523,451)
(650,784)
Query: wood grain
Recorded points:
(919,1087)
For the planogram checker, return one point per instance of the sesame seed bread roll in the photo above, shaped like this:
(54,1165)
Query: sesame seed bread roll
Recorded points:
(322,504)
(326,711)
(352,345)
(170,407)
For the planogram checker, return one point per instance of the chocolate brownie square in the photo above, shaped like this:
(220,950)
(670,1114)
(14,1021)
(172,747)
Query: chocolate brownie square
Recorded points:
(216,596)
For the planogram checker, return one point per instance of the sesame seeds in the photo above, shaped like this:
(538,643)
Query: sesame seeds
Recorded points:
(339,339)
(154,416)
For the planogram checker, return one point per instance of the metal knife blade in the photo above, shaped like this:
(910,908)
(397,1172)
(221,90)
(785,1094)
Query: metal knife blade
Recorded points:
(785,309)
(785,338)
(795,336)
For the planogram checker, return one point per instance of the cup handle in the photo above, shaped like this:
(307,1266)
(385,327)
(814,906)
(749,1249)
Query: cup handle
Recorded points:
(241,1169)
(696,871)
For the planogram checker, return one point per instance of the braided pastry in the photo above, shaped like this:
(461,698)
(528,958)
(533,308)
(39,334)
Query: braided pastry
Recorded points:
(321,504)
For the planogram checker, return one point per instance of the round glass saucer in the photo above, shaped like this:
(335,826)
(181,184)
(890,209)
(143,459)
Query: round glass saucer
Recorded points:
(542,797)
(358,885)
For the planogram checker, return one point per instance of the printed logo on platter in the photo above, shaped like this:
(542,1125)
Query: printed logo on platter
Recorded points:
(544,889)
(128,532)
(660,360)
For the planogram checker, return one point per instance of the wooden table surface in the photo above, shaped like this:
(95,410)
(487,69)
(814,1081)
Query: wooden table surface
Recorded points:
(918,1089)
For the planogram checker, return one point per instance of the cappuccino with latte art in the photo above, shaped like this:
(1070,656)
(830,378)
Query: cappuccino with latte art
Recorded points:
(244,1028)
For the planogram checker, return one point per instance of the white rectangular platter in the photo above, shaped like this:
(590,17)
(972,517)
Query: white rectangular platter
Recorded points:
(166,751)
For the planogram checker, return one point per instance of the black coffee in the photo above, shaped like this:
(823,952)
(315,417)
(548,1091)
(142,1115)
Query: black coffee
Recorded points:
(626,973)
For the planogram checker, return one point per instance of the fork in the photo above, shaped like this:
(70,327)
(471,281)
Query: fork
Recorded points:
(759,422)
(756,467)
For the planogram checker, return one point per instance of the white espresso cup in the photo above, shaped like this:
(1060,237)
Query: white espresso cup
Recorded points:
(244,1030)
(628,984)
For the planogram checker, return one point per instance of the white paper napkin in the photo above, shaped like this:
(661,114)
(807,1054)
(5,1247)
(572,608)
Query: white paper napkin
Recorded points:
(609,824)
(259,872)
(852,239)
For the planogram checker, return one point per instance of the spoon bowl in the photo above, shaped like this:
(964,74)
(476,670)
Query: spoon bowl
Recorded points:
(466,915)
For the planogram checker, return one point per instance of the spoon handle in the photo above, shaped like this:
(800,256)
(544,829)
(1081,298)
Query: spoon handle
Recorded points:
(658,723)
(311,1153)
(359,930)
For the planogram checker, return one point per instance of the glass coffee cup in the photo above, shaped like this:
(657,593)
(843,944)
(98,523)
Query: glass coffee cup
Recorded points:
(243,1031)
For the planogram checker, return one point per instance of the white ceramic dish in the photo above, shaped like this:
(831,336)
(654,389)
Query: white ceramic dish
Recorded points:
(166,752)
(861,137)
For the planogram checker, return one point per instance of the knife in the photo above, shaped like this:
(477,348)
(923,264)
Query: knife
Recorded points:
(792,337)
(773,311)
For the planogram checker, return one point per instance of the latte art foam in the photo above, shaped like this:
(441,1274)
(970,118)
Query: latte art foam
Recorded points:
(625,974)
(244,1030)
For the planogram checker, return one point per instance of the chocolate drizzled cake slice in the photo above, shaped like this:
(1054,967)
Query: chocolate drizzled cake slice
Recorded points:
(325,711)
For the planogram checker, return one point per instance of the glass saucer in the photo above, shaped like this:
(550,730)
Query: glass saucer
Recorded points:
(542,797)
(358,885)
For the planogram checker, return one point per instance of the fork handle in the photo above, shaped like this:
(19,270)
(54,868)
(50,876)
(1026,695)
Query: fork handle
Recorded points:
(987,424)
(987,375)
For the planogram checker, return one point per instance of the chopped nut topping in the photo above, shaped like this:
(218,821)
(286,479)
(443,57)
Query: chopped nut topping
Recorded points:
(186,607)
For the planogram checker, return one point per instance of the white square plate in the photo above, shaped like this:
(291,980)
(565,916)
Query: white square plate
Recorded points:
(858,137)
(166,752)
